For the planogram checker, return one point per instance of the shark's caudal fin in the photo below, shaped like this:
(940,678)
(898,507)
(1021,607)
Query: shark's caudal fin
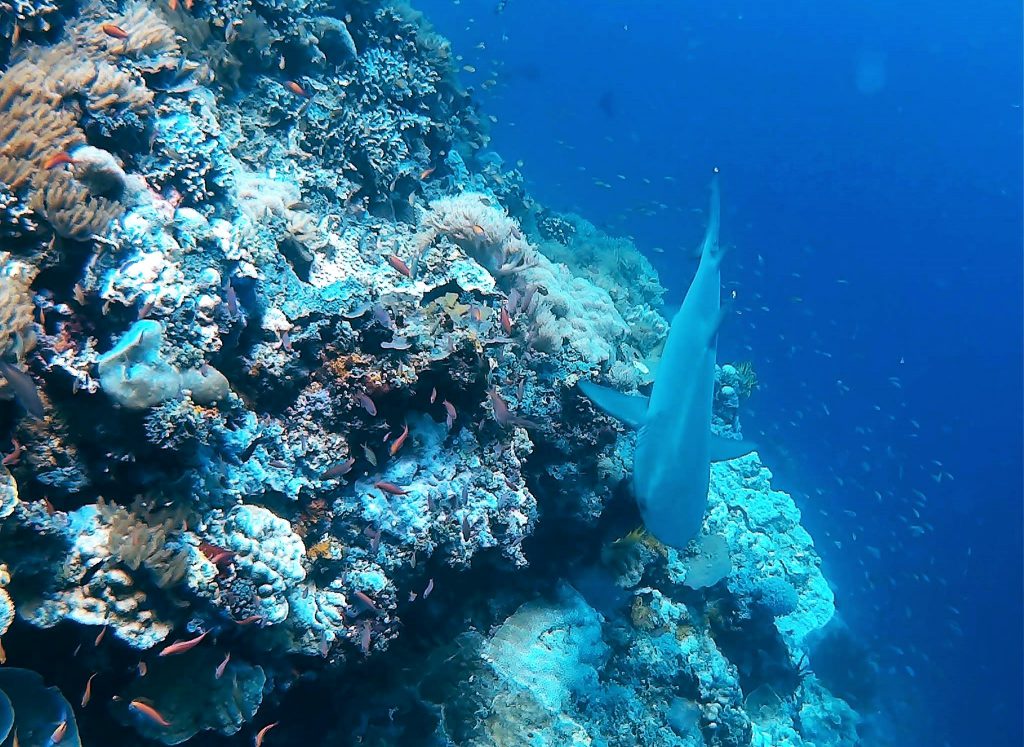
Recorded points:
(631,409)
(723,449)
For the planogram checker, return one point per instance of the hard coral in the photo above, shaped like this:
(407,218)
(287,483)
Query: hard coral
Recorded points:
(17,328)
(42,118)
(482,229)
(141,538)
(228,700)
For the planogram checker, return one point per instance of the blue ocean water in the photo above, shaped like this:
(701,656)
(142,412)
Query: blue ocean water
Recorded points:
(871,158)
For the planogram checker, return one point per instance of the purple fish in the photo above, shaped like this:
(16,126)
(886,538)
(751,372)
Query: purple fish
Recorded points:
(366,403)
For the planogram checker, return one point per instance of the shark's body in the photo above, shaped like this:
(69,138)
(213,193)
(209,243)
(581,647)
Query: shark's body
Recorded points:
(675,446)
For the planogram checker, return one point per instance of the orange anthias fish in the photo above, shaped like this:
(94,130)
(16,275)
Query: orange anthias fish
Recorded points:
(180,647)
(390,487)
(262,734)
(87,695)
(115,31)
(450,413)
(57,159)
(426,172)
(400,441)
(295,88)
(219,672)
(59,732)
(399,265)
(506,321)
(149,712)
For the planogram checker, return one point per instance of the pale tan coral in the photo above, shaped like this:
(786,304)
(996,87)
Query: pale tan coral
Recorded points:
(17,328)
(39,112)
(33,126)
(482,229)
(141,539)
(71,211)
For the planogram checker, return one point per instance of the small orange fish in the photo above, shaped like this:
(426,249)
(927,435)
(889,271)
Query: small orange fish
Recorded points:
(506,321)
(115,31)
(180,647)
(400,441)
(172,4)
(390,487)
(219,672)
(3,654)
(478,229)
(262,734)
(250,620)
(149,712)
(87,695)
(450,413)
(189,4)
(426,172)
(57,159)
(142,668)
(295,88)
(100,635)
(399,265)
(59,732)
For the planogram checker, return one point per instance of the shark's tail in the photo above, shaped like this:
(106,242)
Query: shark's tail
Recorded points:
(710,243)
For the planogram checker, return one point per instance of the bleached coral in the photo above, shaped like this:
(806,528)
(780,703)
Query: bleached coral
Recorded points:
(766,540)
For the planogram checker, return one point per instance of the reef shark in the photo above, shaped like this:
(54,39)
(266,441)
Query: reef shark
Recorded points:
(675,445)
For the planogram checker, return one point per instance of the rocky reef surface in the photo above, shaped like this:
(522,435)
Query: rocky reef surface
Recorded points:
(291,443)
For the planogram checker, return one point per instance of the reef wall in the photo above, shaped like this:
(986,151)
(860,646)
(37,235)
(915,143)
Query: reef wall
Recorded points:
(288,365)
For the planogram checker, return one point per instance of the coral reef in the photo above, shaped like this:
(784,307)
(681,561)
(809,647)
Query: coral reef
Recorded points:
(294,357)
(32,713)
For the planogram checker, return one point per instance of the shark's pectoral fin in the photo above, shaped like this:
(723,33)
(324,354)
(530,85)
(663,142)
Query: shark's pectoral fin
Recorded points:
(724,449)
(631,409)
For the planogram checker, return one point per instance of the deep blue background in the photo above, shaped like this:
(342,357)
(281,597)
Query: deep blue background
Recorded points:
(871,157)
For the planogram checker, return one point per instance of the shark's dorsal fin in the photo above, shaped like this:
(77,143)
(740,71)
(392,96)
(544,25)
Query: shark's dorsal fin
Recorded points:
(723,449)
(631,409)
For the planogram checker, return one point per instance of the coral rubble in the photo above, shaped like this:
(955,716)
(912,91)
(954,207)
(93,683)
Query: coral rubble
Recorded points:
(294,359)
